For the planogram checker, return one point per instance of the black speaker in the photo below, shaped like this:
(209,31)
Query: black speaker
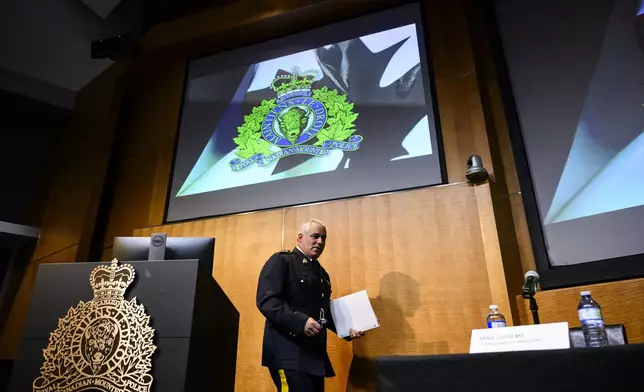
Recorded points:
(475,170)
(113,48)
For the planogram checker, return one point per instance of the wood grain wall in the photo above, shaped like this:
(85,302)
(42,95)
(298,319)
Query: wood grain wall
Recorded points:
(431,259)
(420,255)
(81,154)
(139,193)
(512,218)
(143,158)
(135,196)
(621,302)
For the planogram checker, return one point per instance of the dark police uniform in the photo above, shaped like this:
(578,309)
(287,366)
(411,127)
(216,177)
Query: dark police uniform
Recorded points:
(291,289)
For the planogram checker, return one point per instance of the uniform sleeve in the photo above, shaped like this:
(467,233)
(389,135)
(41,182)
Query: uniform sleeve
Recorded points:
(270,300)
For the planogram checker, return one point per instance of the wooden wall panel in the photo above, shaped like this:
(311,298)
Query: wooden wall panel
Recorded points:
(140,191)
(420,255)
(621,303)
(427,257)
(81,156)
(243,244)
(457,91)
(504,186)
(459,110)
(208,23)
(245,22)
(523,234)
(144,157)
(139,194)
(503,276)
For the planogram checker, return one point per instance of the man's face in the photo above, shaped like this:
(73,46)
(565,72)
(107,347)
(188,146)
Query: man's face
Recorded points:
(312,243)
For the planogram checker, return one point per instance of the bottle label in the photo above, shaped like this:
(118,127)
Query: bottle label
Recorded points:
(496,324)
(591,316)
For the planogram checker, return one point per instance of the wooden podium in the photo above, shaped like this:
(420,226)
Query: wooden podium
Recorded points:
(196,325)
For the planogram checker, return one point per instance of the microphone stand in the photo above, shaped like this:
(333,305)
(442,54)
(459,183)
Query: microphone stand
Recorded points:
(529,291)
(534,308)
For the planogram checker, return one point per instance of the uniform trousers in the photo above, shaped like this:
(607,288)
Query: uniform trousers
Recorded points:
(296,381)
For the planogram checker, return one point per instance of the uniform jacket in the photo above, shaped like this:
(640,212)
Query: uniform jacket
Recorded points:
(291,289)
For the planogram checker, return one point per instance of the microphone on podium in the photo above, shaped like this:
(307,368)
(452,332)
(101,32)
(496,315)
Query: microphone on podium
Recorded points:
(530,281)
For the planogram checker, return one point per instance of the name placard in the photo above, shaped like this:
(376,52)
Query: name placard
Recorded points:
(522,338)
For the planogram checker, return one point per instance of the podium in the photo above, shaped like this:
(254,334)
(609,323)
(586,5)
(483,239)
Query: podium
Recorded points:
(196,325)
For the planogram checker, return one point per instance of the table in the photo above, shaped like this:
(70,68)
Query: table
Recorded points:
(607,369)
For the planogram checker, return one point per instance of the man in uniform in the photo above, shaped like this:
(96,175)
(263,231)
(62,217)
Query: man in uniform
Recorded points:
(293,294)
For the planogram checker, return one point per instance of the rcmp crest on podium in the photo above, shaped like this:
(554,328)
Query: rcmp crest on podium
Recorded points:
(301,120)
(101,345)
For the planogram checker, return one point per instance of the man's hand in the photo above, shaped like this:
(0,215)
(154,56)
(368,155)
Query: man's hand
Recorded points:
(312,327)
(354,333)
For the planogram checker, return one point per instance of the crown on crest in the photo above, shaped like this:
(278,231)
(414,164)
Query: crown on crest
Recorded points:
(294,84)
(110,282)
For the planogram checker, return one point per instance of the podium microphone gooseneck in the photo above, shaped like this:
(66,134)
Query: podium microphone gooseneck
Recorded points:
(531,279)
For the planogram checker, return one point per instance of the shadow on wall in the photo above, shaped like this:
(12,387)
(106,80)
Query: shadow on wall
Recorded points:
(398,301)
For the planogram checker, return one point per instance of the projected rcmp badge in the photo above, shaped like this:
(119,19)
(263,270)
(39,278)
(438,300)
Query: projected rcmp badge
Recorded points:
(299,121)
(101,345)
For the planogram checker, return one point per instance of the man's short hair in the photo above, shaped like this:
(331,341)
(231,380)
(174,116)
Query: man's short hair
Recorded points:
(306,225)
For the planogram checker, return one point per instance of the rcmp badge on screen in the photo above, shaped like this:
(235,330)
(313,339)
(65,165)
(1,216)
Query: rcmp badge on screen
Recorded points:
(101,345)
(295,118)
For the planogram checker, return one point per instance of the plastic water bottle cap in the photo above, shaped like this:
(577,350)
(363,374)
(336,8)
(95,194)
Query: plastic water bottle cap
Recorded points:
(585,293)
(493,307)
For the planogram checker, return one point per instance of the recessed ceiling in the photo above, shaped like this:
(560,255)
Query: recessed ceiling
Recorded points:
(101,7)
(50,40)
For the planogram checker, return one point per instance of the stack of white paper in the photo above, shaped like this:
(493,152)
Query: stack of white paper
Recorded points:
(353,311)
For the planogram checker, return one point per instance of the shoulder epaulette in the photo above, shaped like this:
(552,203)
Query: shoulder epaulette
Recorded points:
(284,251)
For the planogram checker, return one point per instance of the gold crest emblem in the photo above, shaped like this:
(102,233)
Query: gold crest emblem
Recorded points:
(101,345)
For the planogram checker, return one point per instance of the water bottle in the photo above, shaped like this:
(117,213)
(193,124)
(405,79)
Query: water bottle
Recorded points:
(495,319)
(592,322)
